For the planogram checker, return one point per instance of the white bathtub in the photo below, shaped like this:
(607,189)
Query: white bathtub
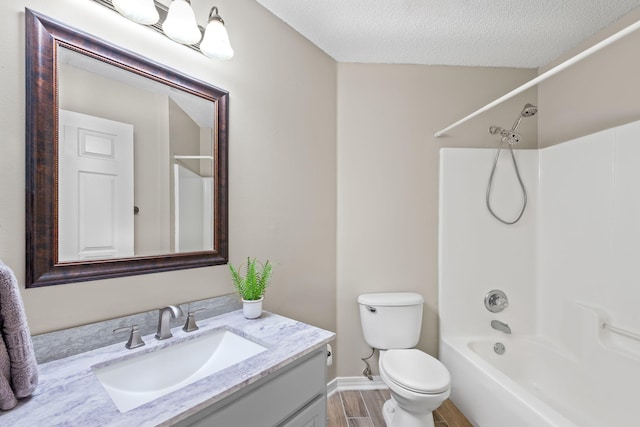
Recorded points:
(534,385)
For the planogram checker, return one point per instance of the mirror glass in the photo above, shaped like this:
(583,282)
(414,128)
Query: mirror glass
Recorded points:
(135,164)
(126,161)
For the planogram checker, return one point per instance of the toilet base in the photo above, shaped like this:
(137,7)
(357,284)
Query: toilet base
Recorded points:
(395,416)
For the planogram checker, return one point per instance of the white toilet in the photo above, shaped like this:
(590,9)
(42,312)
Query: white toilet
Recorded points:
(419,383)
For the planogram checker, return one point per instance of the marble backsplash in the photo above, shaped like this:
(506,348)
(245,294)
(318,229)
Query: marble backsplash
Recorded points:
(68,342)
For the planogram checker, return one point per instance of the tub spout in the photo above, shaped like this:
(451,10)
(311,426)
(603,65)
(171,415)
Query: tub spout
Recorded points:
(500,326)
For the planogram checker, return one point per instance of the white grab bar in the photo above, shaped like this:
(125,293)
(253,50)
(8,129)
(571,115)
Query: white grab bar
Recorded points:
(624,332)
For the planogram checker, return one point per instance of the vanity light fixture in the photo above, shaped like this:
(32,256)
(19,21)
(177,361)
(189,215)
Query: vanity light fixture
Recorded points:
(181,25)
(140,11)
(215,43)
(178,23)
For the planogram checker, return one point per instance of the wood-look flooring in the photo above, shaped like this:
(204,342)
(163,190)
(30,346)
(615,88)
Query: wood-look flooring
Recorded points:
(355,408)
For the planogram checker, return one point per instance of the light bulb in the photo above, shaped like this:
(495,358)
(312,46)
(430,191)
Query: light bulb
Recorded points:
(215,43)
(140,11)
(181,25)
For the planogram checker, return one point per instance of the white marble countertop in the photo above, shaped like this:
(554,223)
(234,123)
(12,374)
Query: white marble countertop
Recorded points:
(69,393)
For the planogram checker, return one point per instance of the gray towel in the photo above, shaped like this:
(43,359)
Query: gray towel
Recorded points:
(18,367)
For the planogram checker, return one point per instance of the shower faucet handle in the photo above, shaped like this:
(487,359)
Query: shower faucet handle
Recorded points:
(496,301)
(499,302)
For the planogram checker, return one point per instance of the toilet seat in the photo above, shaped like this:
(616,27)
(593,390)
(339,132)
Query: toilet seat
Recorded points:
(416,371)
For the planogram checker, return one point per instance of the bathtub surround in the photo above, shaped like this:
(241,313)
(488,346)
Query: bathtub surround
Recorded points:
(477,253)
(18,368)
(71,382)
(568,267)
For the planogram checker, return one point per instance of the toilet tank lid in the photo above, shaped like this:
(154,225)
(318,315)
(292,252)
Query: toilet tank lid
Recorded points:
(391,299)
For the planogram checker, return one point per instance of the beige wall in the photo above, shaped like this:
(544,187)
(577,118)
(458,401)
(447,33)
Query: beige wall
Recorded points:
(388,178)
(596,93)
(282,165)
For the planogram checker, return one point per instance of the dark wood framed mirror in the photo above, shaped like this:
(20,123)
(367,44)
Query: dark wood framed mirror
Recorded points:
(47,260)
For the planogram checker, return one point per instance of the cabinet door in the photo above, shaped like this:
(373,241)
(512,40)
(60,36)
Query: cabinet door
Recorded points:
(313,415)
(282,396)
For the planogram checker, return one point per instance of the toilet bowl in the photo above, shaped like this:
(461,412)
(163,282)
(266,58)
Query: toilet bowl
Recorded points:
(419,384)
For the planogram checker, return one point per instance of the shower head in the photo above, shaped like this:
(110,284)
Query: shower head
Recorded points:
(529,110)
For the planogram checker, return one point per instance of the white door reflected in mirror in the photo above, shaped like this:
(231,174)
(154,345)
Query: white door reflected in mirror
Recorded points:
(95,193)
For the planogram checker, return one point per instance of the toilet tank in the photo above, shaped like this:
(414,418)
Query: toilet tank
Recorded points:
(391,320)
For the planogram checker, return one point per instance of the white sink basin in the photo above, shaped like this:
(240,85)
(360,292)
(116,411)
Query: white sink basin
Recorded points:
(140,379)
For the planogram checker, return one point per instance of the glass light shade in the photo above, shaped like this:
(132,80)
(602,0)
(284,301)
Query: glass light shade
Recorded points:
(140,11)
(215,43)
(181,25)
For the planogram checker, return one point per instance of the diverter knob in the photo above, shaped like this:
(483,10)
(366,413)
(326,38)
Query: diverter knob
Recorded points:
(496,301)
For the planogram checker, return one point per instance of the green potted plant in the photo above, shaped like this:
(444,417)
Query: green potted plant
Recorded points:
(252,286)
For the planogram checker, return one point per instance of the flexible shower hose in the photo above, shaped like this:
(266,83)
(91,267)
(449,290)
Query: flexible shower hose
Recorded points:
(490,186)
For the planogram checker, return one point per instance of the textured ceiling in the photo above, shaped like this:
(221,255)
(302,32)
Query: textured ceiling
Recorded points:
(498,33)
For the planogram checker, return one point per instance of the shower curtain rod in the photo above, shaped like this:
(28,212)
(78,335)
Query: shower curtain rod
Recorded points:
(585,53)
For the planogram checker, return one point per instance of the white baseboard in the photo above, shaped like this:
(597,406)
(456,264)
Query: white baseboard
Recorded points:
(354,383)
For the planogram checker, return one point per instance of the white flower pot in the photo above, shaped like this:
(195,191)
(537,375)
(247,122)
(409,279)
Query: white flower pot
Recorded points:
(252,309)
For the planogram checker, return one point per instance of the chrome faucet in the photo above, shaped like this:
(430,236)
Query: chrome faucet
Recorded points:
(164,329)
(500,326)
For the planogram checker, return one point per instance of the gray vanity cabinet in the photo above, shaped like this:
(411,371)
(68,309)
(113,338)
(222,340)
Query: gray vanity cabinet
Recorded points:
(294,396)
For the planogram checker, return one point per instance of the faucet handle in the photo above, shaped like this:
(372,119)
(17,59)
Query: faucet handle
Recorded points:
(135,340)
(190,324)
(495,301)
